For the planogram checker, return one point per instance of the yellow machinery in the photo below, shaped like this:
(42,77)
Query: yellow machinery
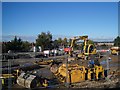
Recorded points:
(9,78)
(115,50)
(99,72)
(47,62)
(95,73)
(78,73)
(88,48)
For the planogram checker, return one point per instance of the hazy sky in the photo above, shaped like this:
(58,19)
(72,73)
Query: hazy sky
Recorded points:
(95,19)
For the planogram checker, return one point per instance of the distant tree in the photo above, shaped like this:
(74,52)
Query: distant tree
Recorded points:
(75,46)
(44,40)
(26,46)
(4,47)
(69,42)
(55,44)
(15,44)
(59,41)
(64,42)
(117,41)
(49,40)
(90,41)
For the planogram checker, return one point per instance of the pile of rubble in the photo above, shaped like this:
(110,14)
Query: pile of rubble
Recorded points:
(108,82)
(97,84)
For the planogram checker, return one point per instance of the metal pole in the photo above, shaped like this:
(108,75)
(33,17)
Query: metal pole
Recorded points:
(9,72)
(35,55)
(34,50)
(67,79)
(107,60)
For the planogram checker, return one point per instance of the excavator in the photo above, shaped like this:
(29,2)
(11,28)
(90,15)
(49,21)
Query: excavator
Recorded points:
(73,72)
(88,49)
(69,72)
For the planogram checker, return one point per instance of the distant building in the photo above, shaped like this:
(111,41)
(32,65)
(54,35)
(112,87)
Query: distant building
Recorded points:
(111,43)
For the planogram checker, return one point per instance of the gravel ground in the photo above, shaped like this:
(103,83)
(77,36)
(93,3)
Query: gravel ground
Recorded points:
(45,72)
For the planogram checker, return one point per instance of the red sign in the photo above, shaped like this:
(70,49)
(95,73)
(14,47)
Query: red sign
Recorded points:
(67,49)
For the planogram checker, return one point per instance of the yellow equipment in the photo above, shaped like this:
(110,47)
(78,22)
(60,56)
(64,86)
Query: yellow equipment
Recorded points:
(99,72)
(76,73)
(115,50)
(47,62)
(95,73)
(9,78)
(91,74)
(16,72)
(88,48)
(45,83)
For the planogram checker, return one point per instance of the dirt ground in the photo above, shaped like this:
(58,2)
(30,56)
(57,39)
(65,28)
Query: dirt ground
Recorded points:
(113,66)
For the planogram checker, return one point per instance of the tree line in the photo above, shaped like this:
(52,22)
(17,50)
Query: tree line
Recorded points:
(117,41)
(44,40)
(16,45)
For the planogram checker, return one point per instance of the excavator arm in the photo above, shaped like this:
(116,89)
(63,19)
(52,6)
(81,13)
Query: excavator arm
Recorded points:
(85,38)
(87,47)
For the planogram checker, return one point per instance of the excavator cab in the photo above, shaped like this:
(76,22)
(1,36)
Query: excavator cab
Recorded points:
(89,49)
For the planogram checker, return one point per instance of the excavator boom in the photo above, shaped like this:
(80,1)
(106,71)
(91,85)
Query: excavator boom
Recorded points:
(87,48)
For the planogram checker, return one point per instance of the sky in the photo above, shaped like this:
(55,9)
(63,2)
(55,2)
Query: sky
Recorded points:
(63,19)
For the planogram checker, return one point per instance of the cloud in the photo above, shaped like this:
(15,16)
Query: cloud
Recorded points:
(33,38)
(103,39)
(24,38)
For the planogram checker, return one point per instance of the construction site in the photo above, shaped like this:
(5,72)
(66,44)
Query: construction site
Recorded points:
(88,67)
